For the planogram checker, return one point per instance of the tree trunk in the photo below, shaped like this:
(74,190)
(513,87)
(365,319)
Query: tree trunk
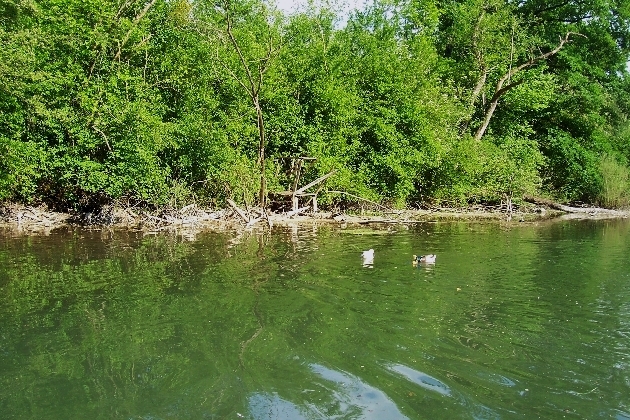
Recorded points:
(481,83)
(253,88)
(486,120)
(501,90)
(262,193)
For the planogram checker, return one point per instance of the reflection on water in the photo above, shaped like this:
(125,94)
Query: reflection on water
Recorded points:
(513,322)
(499,379)
(421,379)
(621,416)
(265,406)
(356,399)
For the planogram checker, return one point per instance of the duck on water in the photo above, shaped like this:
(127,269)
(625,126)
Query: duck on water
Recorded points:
(426,259)
(368,257)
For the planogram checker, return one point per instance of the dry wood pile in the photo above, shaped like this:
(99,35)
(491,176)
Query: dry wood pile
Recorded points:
(191,218)
(36,219)
(590,211)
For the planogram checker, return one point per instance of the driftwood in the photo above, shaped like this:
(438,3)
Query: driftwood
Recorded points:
(188,207)
(301,192)
(32,219)
(568,209)
(297,193)
(253,216)
(191,219)
(297,211)
(185,221)
(317,181)
(238,210)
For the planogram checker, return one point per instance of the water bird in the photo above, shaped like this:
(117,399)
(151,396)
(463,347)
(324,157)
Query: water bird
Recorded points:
(368,254)
(368,257)
(427,259)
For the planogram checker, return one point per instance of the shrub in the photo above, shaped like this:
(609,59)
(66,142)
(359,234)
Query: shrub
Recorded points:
(484,171)
(571,170)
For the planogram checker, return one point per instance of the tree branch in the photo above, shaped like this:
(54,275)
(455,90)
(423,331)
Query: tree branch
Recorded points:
(500,90)
(139,16)
(253,90)
(122,8)
(234,75)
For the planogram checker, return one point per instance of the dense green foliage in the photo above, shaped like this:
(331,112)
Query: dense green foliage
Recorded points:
(409,101)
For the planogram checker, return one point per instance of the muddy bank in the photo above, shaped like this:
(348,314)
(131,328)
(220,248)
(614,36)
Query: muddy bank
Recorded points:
(39,220)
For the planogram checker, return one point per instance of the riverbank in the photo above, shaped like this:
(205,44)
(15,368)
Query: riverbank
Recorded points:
(35,220)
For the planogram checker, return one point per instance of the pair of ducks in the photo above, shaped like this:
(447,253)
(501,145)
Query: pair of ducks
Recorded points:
(368,258)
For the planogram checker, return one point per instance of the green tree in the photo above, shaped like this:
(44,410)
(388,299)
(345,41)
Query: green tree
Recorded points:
(249,38)
(87,115)
(585,119)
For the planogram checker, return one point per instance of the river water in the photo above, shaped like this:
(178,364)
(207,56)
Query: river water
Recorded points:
(512,322)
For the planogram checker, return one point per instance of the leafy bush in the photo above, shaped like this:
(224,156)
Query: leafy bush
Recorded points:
(483,171)
(101,100)
(571,170)
(20,164)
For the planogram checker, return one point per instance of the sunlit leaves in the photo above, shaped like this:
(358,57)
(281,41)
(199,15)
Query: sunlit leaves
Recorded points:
(145,100)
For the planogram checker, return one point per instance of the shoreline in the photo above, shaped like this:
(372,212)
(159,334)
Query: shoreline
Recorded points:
(39,220)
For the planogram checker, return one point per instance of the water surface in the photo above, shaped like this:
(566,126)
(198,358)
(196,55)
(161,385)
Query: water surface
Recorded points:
(512,322)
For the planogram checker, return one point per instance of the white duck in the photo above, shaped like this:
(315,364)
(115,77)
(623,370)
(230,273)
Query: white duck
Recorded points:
(368,257)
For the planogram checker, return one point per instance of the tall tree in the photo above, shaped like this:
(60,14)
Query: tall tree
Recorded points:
(585,118)
(490,48)
(248,38)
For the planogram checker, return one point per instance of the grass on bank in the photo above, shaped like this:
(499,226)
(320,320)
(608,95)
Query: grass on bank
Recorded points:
(615,189)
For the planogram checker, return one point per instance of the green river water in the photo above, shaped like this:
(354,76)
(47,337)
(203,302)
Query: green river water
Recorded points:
(512,322)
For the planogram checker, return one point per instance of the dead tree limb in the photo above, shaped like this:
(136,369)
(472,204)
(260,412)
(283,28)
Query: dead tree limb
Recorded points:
(317,181)
(238,211)
(298,211)
(569,209)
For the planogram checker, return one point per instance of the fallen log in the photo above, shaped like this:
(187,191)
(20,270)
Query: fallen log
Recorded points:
(238,210)
(361,198)
(568,209)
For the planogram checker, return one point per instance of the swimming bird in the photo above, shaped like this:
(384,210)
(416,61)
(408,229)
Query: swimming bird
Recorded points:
(368,257)
(428,259)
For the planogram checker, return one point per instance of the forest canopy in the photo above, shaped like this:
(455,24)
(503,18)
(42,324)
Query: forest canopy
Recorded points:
(167,102)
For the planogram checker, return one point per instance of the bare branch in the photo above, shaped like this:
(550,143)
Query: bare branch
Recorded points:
(228,18)
(98,130)
(234,75)
(122,8)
